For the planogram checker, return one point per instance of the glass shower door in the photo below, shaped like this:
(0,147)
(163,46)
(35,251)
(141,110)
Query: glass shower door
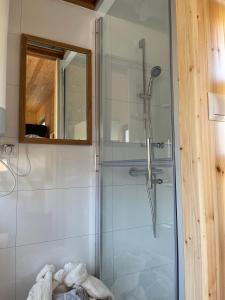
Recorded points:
(138,243)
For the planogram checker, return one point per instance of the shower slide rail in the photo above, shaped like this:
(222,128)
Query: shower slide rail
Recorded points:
(146,95)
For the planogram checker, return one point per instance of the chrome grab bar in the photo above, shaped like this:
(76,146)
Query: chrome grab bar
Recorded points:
(135,172)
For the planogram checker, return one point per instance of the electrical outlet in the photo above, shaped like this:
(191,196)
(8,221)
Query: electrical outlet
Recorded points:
(7,150)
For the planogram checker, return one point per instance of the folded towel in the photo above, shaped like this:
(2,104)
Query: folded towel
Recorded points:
(96,288)
(62,288)
(69,267)
(58,285)
(42,290)
(85,286)
(44,271)
(77,276)
(60,275)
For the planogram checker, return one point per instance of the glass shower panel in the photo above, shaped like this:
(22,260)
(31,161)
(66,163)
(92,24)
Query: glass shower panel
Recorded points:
(138,243)
(123,77)
(135,264)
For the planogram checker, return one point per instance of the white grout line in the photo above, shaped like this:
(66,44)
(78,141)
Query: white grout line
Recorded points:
(56,188)
(162,225)
(56,240)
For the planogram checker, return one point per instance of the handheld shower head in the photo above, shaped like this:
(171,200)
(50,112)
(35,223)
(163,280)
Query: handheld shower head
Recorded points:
(156,71)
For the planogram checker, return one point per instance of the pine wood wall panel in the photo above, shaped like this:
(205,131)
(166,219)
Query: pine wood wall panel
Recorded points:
(197,147)
(217,85)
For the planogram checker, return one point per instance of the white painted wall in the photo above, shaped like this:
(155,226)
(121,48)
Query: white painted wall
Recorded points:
(50,216)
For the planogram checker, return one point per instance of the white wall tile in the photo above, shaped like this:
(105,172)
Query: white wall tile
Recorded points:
(156,284)
(59,21)
(107,258)
(121,176)
(8,220)
(13,59)
(128,287)
(129,151)
(12,111)
(47,215)
(165,205)
(30,259)
(57,166)
(130,207)
(131,204)
(6,179)
(93,18)
(107,209)
(137,250)
(127,35)
(122,116)
(7,274)
(107,176)
(15,16)
(107,152)
(164,87)
(162,128)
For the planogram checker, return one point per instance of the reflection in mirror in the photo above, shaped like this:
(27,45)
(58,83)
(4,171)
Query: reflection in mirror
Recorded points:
(56,92)
(74,82)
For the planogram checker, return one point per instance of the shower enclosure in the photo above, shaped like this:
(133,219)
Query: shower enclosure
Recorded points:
(137,243)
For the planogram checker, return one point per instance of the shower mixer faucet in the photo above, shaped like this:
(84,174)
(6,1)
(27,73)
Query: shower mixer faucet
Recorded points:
(158,145)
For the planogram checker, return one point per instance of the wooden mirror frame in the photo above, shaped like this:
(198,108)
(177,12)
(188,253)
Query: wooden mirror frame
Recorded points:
(23,68)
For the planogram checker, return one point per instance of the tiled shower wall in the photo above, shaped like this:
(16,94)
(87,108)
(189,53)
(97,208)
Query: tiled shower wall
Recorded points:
(49,218)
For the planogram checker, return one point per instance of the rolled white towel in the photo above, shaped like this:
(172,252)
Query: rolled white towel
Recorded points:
(77,276)
(58,285)
(58,281)
(69,267)
(96,288)
(44,271)
(60,275)
(42,290)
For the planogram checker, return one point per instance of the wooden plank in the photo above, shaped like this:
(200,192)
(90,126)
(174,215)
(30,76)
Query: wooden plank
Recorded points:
(199,195)
(217,85)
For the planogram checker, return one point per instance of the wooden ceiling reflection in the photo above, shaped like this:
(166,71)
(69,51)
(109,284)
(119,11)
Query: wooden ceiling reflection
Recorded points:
(91,4)
(40,83)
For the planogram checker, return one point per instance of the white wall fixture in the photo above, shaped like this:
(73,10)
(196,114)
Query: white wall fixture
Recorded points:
(4,16)
(216,107)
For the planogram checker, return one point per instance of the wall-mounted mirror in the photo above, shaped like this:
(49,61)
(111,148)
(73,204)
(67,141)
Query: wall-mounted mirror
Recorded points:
(55,104)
